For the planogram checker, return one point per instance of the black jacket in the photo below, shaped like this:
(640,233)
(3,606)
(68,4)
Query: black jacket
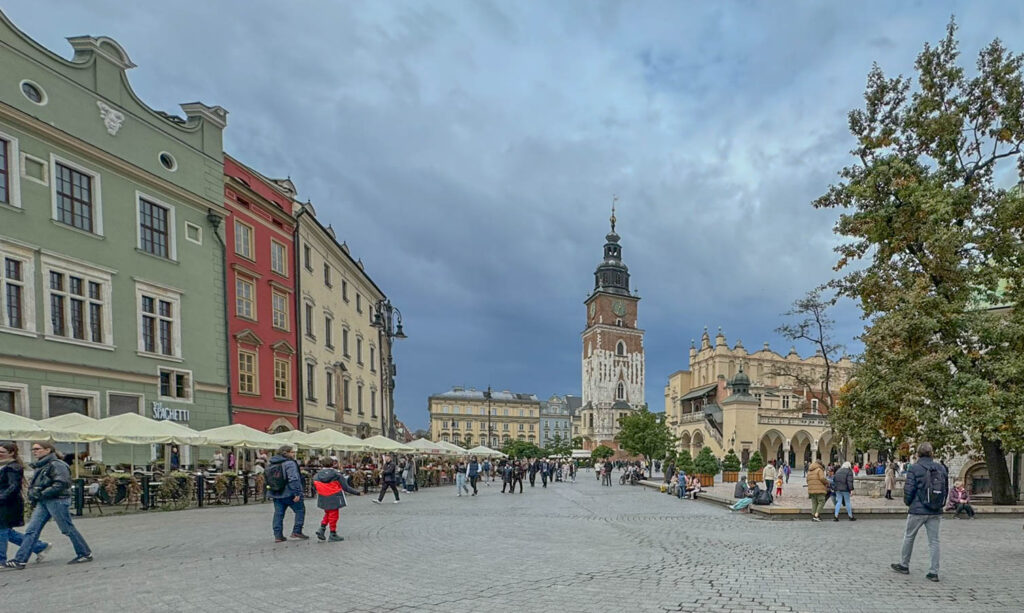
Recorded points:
(917,481)
(51,480)
(388,472)
(842,481)
(12,505)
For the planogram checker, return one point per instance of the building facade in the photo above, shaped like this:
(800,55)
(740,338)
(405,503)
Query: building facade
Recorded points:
(111,257)
(261,298)
(613,350)
(463,416)
(732,399)
(342,367)
(556,415)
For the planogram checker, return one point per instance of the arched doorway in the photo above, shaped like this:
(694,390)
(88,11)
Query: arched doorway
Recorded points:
(771,446)
(280,425)
(697,444)
(684,441)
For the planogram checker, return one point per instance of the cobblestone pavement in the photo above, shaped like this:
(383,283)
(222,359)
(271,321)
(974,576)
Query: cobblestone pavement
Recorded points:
(570,547)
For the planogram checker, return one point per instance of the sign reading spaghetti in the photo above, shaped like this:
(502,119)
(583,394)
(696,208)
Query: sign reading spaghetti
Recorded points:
(162,412)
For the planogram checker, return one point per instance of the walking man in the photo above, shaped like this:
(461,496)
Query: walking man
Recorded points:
(50,492)
(474,473)
(925,494)
(842,483)
(285,486)
(488,473)
(769,475)
(534,467)
(517,476)
(387,479)
(545,472)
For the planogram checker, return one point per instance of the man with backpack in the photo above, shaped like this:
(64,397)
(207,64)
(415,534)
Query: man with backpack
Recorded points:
(925,493)
(284,485)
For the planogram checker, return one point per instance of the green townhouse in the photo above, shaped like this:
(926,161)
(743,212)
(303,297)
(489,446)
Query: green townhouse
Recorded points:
(111,260)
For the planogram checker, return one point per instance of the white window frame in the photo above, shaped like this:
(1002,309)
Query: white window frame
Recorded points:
(331,399)
(199,233)
(168,294)
(54,262)
(359,398)
(309,383)
(172,238)
(97,193)
(92,396)
(250,245)
(21,398)
(239,277)
(255,374)
(26,255)
(140,397)
(176,371)
(814,405)
(622,345)
(274,294)
(13,172)
(287,379)
(283,259)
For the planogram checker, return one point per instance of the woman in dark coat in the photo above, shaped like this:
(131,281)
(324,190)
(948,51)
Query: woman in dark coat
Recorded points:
(12,501)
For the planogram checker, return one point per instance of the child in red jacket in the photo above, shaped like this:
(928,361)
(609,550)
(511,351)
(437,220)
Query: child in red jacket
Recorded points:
(331,487)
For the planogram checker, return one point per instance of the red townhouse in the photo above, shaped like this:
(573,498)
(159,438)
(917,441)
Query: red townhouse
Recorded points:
(261,294)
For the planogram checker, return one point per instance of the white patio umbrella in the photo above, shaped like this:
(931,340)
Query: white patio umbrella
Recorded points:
(452,449)
(424,446)
(486,452)
(293,437)
(17,428)
(239,435)
(134,429)
(60,430)
(329,438)
(383,443)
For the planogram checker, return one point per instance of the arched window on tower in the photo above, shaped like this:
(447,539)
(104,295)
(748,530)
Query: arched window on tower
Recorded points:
(620,348)
(620,392)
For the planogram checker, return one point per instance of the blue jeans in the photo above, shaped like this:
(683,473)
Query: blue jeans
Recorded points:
(282,504)
(841,499)
(59,509)
(13,536)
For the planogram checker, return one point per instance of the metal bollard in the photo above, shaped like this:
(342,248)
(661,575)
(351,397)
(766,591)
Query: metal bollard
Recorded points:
(245,487)
(79,496)
(145,492)
(200,489)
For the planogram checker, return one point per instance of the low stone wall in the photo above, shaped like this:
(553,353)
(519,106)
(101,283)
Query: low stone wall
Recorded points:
(873,486)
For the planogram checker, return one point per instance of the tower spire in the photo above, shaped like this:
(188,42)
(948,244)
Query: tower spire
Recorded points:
(614,200)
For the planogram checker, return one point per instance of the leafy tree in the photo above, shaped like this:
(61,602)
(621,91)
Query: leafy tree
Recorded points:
(730,462)
(684,462)
(936,241)
(522,449)
(815,327)
(558,446)
(755,462)
(706,463)
(646,434)
(577,442)
(601,452)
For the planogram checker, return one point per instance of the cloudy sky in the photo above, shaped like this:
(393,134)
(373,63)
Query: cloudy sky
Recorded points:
(468,152)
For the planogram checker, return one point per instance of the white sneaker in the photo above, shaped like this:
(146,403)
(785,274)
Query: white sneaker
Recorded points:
(375,501)
(42,554)
(397,501)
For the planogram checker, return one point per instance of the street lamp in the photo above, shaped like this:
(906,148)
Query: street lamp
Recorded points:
(490,437)
(388,321)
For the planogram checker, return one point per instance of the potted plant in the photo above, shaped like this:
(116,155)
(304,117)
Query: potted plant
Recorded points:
(754,467)
(706,465)
(115,487)
(684,462)
(176,489)
(730,468)
(224,485)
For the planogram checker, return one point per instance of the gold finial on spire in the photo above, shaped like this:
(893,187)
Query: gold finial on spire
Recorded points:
(614,200)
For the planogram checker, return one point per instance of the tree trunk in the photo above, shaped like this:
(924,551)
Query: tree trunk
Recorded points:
(998,473)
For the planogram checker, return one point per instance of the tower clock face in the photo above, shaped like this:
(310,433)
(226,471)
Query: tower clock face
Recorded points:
(619,308)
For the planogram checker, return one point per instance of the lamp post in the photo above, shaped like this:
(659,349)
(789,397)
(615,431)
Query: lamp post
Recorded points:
(388,321)
(490,437)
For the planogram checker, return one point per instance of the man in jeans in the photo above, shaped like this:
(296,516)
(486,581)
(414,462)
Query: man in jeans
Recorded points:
(290,497)
(925,509)
(50,492)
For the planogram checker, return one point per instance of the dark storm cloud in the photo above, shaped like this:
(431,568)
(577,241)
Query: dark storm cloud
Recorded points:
(468,152)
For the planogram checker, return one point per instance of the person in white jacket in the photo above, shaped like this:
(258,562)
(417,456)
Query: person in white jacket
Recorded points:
(769,475)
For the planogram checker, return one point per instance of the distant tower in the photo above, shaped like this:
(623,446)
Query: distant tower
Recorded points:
(613,348)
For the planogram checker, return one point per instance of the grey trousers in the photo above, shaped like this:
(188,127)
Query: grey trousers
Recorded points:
(931,525)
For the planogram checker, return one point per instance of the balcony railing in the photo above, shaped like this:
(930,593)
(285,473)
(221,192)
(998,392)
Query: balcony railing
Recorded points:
(806,419)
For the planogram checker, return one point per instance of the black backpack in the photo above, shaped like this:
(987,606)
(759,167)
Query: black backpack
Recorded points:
(932,492)
(763,497)
(277,481)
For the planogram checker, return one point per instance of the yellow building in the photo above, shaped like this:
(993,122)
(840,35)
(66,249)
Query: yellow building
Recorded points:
(732,399)
(461,415)
(343,370)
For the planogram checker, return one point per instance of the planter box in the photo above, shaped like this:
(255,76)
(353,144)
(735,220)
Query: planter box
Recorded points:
(730,476)
(757,477)
(706,480)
